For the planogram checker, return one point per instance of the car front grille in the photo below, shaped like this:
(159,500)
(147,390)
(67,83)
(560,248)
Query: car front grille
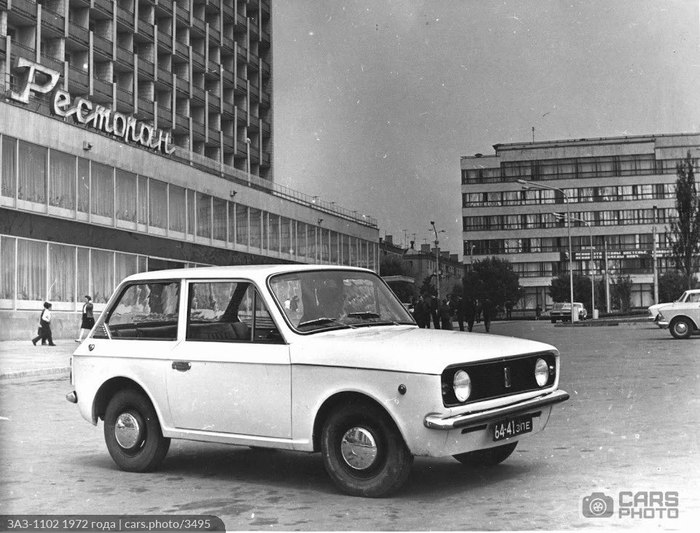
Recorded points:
(498,378)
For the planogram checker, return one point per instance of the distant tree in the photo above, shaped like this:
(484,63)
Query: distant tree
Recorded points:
(427,287)
(685,230)
(559,289)
(621,293)
(493,278)
(392,265)
(671,285)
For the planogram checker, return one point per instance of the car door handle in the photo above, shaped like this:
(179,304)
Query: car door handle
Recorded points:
(181,366)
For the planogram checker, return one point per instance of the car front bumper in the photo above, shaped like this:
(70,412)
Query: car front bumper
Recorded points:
(435,421)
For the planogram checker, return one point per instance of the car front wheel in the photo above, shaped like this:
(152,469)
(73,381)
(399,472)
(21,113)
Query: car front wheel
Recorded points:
(132,432)
(487,457)
(681,328)
(363,452)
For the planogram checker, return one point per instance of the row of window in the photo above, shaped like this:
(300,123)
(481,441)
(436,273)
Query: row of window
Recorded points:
(226,311)
(33,271)
(618,243)
(558,220)
(573,168)
(77,188)
(620,193)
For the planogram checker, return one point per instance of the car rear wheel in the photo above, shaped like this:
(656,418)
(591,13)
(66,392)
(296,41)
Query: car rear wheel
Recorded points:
(487,457)
(681,328)
(132,432)
(363,452)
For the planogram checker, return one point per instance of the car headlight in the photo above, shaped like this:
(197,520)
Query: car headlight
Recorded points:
(541,372)
(462,385)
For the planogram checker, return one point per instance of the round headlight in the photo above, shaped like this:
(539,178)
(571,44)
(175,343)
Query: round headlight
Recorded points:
(462,385)
(541,372)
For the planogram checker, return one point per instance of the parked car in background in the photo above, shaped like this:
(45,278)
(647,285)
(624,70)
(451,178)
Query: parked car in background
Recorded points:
(562,311)
(681,318)
(689,295)
(221,355)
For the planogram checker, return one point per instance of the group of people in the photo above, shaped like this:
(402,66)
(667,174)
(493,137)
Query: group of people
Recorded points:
(44,333)
(466,310)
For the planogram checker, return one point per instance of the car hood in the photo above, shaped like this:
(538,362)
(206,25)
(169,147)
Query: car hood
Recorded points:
(406,348)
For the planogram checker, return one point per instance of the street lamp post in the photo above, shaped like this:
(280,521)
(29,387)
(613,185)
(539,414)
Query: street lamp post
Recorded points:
(590,235)
(437,259)
(653,258)
(526,185)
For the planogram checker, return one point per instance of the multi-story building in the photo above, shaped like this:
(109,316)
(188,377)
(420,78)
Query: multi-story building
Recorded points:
(616,192)
(137,135)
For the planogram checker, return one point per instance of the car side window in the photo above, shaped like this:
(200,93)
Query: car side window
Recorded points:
(145,311)
(228,311)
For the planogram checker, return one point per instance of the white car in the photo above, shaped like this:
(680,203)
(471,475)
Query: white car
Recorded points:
(681,318)
(215,355)
(689,295)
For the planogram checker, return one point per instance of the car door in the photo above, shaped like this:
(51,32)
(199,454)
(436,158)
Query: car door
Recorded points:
(231,374)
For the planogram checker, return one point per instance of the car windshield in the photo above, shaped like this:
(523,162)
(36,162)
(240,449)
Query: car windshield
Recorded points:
(331,299)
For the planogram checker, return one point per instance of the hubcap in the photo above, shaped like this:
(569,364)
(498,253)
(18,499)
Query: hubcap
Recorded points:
(358,448)
(681,328)
(127,431)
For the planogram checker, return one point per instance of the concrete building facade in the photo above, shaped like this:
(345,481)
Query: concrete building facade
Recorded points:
(137,135)
(618,193)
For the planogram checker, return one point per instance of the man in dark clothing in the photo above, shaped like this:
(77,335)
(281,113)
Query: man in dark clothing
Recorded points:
(469,312)
(487,312)
(421,313)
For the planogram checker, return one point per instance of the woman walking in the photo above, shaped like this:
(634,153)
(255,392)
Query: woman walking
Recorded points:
(87,319)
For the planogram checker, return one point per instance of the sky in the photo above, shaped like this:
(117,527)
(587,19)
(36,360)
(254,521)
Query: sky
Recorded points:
(375,101)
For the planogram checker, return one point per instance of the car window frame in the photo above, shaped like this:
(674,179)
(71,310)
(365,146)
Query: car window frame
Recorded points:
(258,296)
(115,300)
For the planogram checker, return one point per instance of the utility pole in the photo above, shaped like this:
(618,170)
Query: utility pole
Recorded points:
(653,258)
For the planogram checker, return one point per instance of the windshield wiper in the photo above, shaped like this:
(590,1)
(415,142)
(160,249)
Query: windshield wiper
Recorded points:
(363,314)
(321,321)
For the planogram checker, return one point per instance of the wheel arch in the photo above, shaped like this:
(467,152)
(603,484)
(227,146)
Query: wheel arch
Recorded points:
(684,317)
(341,398)
(109,388)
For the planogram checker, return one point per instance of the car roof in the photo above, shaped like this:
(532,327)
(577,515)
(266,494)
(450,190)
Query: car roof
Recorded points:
(249,271)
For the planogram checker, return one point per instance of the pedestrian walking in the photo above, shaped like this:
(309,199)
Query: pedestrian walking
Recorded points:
(87,320)
(434,306)
(469,312)
(460,312)
(487,311)
(509,309)
(538,312)
(44,331)
(421,313)
(445,315)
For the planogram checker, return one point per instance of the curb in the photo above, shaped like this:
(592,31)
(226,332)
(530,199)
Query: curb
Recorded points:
(35,373)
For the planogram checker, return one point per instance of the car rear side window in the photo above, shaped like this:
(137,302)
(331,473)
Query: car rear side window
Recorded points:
(145,311)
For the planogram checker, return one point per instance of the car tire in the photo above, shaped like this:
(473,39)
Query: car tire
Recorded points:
(487,457)
(132,432)
(363,451)
(681,328)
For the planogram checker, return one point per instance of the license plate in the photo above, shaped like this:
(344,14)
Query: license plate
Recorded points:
(511,427)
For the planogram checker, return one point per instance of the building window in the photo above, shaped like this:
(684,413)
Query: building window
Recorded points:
(31,270)
(9,167)
(62,273)
(177,214)
(32,163)
(126,195)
